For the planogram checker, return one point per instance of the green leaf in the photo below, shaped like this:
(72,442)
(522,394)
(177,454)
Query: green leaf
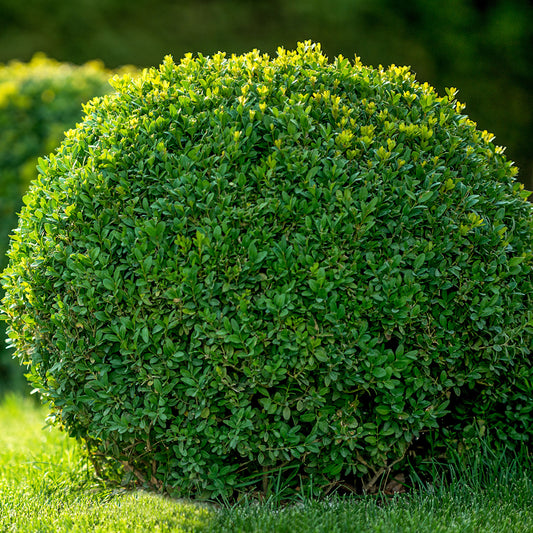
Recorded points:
(379,372)
(234,339)
(145,334)
(516,260)
(147,263)
(424,197)
(252,252)
(312,172)
(321,354)
(419,261)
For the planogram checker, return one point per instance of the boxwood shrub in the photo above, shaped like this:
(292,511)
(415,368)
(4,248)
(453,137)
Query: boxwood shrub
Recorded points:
(235,266)
(39,100)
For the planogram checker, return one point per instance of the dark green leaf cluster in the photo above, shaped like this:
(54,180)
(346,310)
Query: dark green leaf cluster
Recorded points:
(39,100)
(240,264)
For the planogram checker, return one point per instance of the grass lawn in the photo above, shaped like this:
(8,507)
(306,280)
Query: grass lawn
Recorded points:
(46,486)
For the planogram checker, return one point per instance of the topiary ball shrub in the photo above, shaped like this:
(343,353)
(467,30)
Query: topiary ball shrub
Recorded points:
(237,266)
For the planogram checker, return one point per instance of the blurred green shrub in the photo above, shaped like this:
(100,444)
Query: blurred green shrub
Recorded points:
(39,100)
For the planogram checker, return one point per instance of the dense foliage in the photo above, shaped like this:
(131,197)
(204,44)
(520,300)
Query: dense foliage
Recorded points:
(39,100)
(240,264)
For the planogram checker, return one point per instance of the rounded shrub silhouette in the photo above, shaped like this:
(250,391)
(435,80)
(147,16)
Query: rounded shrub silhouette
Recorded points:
(236,266)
